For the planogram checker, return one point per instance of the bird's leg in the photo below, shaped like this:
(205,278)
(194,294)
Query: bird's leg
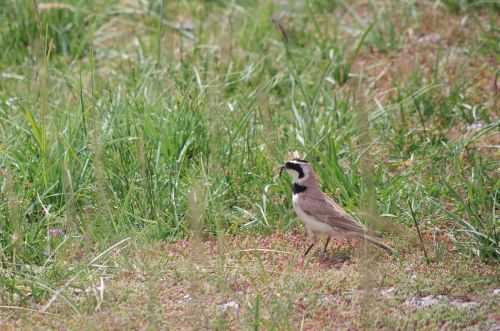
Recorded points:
(311,235)
(302,259)
(308,249)
(326,244)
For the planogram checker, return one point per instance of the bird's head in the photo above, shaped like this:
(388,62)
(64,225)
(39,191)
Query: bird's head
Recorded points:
(299,169)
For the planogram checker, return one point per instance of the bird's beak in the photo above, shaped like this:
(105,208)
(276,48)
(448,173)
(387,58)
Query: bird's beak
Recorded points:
(282,168)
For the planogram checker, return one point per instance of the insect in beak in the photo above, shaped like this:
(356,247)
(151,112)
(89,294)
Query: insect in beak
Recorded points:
(281,169)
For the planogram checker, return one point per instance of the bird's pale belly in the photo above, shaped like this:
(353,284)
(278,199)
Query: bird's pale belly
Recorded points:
(310,222)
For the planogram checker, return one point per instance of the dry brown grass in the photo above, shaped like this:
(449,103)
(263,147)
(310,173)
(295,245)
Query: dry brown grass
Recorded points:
(188,285)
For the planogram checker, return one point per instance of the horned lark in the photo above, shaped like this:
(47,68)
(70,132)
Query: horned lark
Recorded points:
(320,214)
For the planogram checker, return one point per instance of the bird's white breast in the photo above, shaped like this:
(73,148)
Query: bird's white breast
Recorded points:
(309,221)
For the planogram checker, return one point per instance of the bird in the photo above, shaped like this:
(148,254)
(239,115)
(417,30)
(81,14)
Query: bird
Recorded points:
(319,213)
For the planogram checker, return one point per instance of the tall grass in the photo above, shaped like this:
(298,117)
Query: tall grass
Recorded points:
(111,112)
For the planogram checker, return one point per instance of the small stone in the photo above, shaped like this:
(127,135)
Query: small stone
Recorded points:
(388,292)
(430,38)
(464,304)
(186,298)
(422,302)
(474,127)
(327,299)
(229,305)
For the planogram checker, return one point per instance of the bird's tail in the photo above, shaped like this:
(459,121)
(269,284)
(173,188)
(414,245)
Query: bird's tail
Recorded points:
(378,243)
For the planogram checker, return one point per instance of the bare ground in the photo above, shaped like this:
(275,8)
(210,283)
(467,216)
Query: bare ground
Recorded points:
(257,281)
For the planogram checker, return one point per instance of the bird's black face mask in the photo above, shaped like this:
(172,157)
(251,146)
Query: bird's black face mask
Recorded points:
(295,167)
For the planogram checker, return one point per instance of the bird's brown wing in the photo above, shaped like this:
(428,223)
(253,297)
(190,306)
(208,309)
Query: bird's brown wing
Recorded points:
(326,210)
